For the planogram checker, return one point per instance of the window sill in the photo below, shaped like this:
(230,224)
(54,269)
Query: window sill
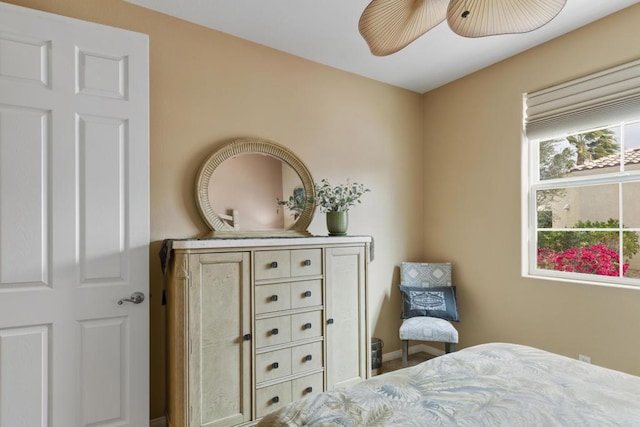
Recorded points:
(612,283)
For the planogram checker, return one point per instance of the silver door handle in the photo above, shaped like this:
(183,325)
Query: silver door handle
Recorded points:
(136,298)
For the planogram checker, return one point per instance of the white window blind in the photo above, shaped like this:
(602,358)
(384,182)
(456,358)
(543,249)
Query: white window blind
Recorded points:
(598,99)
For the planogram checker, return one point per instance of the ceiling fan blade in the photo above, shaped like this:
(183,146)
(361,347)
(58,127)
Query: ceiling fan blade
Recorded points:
(390,25)
(479,18)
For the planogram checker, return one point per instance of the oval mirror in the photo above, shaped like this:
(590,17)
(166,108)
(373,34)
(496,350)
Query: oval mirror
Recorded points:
(255,188)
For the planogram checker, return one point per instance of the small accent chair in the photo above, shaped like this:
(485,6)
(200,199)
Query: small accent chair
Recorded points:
(429,305)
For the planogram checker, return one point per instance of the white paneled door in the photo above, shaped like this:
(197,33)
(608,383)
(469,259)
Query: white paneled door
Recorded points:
(74,222)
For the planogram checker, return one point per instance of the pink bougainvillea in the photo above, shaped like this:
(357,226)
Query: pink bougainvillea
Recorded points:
(594,259)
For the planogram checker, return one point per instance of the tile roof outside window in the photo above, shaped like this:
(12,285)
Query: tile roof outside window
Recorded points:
(631,157)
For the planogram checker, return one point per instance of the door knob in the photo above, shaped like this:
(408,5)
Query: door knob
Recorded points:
(136,298)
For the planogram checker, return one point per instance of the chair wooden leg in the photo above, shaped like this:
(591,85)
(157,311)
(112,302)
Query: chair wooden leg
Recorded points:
(405,352)
(450,347)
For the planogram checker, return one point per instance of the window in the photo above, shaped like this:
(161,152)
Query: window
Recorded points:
(581,175)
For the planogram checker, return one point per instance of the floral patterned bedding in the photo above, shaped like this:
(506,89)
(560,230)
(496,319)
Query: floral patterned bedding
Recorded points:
(493,384)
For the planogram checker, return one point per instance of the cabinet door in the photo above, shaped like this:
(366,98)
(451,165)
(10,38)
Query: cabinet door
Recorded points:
(220,373)
(346,320)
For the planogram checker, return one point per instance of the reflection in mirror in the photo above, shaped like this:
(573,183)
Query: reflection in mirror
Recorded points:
(255,188)
(262,181)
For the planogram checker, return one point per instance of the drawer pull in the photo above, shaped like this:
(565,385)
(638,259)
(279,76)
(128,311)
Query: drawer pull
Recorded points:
(275,365)
(307,294)
(330,321)
(308,358)
(275,399)
(307,326)
(246,337)
(274,298)
(274,264)
(307,262)
(308,390)
(274,331)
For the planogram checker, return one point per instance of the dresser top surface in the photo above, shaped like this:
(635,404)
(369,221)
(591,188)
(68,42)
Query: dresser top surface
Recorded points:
(266,242)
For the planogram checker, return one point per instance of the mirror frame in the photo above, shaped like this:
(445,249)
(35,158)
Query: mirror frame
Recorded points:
(220,228)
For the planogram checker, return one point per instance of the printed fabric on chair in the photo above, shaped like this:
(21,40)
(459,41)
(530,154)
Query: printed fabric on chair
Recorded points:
(428,305)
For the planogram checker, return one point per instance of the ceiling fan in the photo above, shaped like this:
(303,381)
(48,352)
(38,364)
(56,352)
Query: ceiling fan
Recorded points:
(390,25)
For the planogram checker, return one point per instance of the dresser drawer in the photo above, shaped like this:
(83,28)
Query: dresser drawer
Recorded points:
(306,262)
(274,297)
(269,399)
(307,386)
(306,357)
(283,296)
(306,294)
(306,325)
(276,330)
(273,365)
(288,263)
(272,264)
(274,397)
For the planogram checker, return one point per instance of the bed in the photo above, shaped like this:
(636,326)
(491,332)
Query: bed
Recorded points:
(495,384)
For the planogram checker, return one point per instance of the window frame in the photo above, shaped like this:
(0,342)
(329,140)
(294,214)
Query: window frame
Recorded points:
(531,183)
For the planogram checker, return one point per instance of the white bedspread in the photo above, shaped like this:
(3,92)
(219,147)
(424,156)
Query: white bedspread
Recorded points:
(487,385)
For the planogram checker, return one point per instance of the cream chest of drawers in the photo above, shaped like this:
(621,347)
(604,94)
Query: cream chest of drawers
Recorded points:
(253,324)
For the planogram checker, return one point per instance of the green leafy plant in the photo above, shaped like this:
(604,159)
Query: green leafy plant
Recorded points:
(338,198)
(559,241)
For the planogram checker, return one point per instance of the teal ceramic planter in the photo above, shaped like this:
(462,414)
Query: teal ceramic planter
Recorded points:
(337,223)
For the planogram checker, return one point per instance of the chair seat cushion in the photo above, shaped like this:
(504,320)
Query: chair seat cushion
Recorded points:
(428,329)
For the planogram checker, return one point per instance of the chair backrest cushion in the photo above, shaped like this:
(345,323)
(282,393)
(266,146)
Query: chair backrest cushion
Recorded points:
(437,301)
(425,274)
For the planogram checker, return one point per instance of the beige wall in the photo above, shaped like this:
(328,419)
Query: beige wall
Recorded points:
(208,87)
(472,207)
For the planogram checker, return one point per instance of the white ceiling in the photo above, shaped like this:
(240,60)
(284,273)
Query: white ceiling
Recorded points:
(326,31)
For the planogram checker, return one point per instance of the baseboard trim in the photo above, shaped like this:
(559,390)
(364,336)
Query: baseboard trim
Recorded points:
(412,349)
(158,422)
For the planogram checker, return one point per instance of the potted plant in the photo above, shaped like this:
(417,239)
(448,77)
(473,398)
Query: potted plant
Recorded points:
(335,201)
